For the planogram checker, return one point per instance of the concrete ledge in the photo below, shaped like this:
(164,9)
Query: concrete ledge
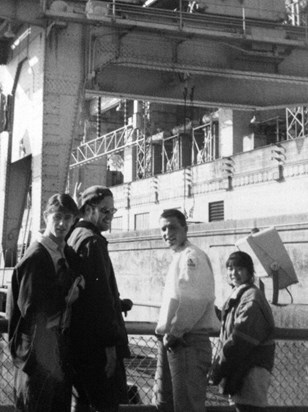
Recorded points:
(152,408)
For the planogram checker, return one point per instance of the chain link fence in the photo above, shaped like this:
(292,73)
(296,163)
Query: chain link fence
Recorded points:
(289,379)
(6,373)
(289,385)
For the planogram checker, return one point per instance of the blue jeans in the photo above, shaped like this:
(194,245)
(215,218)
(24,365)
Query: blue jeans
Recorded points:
(181,375)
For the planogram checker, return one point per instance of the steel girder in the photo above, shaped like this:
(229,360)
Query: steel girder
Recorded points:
(143,53)
(239,90)
(259,67)
(30,11)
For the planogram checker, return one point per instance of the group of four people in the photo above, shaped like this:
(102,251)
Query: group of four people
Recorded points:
(67,333)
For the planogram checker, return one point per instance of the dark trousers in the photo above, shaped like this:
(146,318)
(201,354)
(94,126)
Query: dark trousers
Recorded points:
(93,391)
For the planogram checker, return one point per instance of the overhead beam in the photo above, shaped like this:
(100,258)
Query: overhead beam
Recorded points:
(242,90)
(245,74)
(30,11)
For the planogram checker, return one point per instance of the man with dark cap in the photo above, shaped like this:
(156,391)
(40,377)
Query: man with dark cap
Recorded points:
(99,336)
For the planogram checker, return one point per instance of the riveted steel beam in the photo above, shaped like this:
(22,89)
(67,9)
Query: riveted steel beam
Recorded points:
(30,11)
(263,67)
(242,90)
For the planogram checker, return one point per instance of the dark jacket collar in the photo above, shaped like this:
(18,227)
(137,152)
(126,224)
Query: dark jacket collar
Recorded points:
(89,225)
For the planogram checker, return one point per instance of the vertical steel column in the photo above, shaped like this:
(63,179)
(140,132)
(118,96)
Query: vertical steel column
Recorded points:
(63,74)
(98,117)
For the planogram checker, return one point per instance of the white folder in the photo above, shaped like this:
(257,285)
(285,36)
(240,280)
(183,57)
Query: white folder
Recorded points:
(267,246)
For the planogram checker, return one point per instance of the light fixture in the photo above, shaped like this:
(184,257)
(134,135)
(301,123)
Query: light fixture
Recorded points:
(33,61)
(22,37)
(149,3)
(9,34)
(253,119)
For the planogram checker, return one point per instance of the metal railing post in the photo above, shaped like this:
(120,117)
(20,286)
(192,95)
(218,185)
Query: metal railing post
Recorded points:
(181,15)
(244,20)
(113,8)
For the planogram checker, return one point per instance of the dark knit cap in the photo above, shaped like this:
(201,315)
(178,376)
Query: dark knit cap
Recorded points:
(93,195)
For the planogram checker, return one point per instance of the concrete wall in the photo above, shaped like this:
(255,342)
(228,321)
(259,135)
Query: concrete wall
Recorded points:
(141,260)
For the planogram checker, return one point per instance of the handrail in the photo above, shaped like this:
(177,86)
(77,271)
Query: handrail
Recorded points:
(239,19)
(148,328)
(183,19)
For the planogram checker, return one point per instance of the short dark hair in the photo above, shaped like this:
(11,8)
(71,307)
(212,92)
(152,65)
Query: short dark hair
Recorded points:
(174,213)
(61,202)
(243,260)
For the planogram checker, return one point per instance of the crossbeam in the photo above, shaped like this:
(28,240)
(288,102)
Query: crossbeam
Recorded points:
(107,144)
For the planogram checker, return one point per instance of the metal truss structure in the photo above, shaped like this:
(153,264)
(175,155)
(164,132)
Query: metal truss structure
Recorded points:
(107,144)
(203,146)
(296,15)
(297,122)
(143,146)
(115,142)
(170,153)
(204,141)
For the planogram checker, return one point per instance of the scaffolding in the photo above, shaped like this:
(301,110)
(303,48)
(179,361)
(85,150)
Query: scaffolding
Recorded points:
(107,144)
(205,143)
(189,146)
(296,12)
(297,122)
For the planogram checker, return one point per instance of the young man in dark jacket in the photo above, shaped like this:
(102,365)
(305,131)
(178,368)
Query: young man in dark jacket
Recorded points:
(42,293)
(98,331)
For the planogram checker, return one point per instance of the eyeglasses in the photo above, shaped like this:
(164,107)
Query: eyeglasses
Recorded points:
(106,211)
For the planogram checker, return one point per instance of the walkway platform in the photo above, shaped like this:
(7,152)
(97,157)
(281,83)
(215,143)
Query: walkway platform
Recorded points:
(151,408)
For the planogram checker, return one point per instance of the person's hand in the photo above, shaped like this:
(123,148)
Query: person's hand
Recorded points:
(81,282)
(170,342)
(126,305)
(111,359)
(73,293)
(77,192)
(221,386)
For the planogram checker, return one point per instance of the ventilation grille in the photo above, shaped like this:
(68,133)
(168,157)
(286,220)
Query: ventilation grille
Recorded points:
(216,211)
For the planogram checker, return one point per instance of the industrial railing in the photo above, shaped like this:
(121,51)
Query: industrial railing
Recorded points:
(230,18)
(289,381)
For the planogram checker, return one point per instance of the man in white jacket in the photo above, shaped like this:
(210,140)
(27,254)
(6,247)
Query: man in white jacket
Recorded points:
(187,316)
